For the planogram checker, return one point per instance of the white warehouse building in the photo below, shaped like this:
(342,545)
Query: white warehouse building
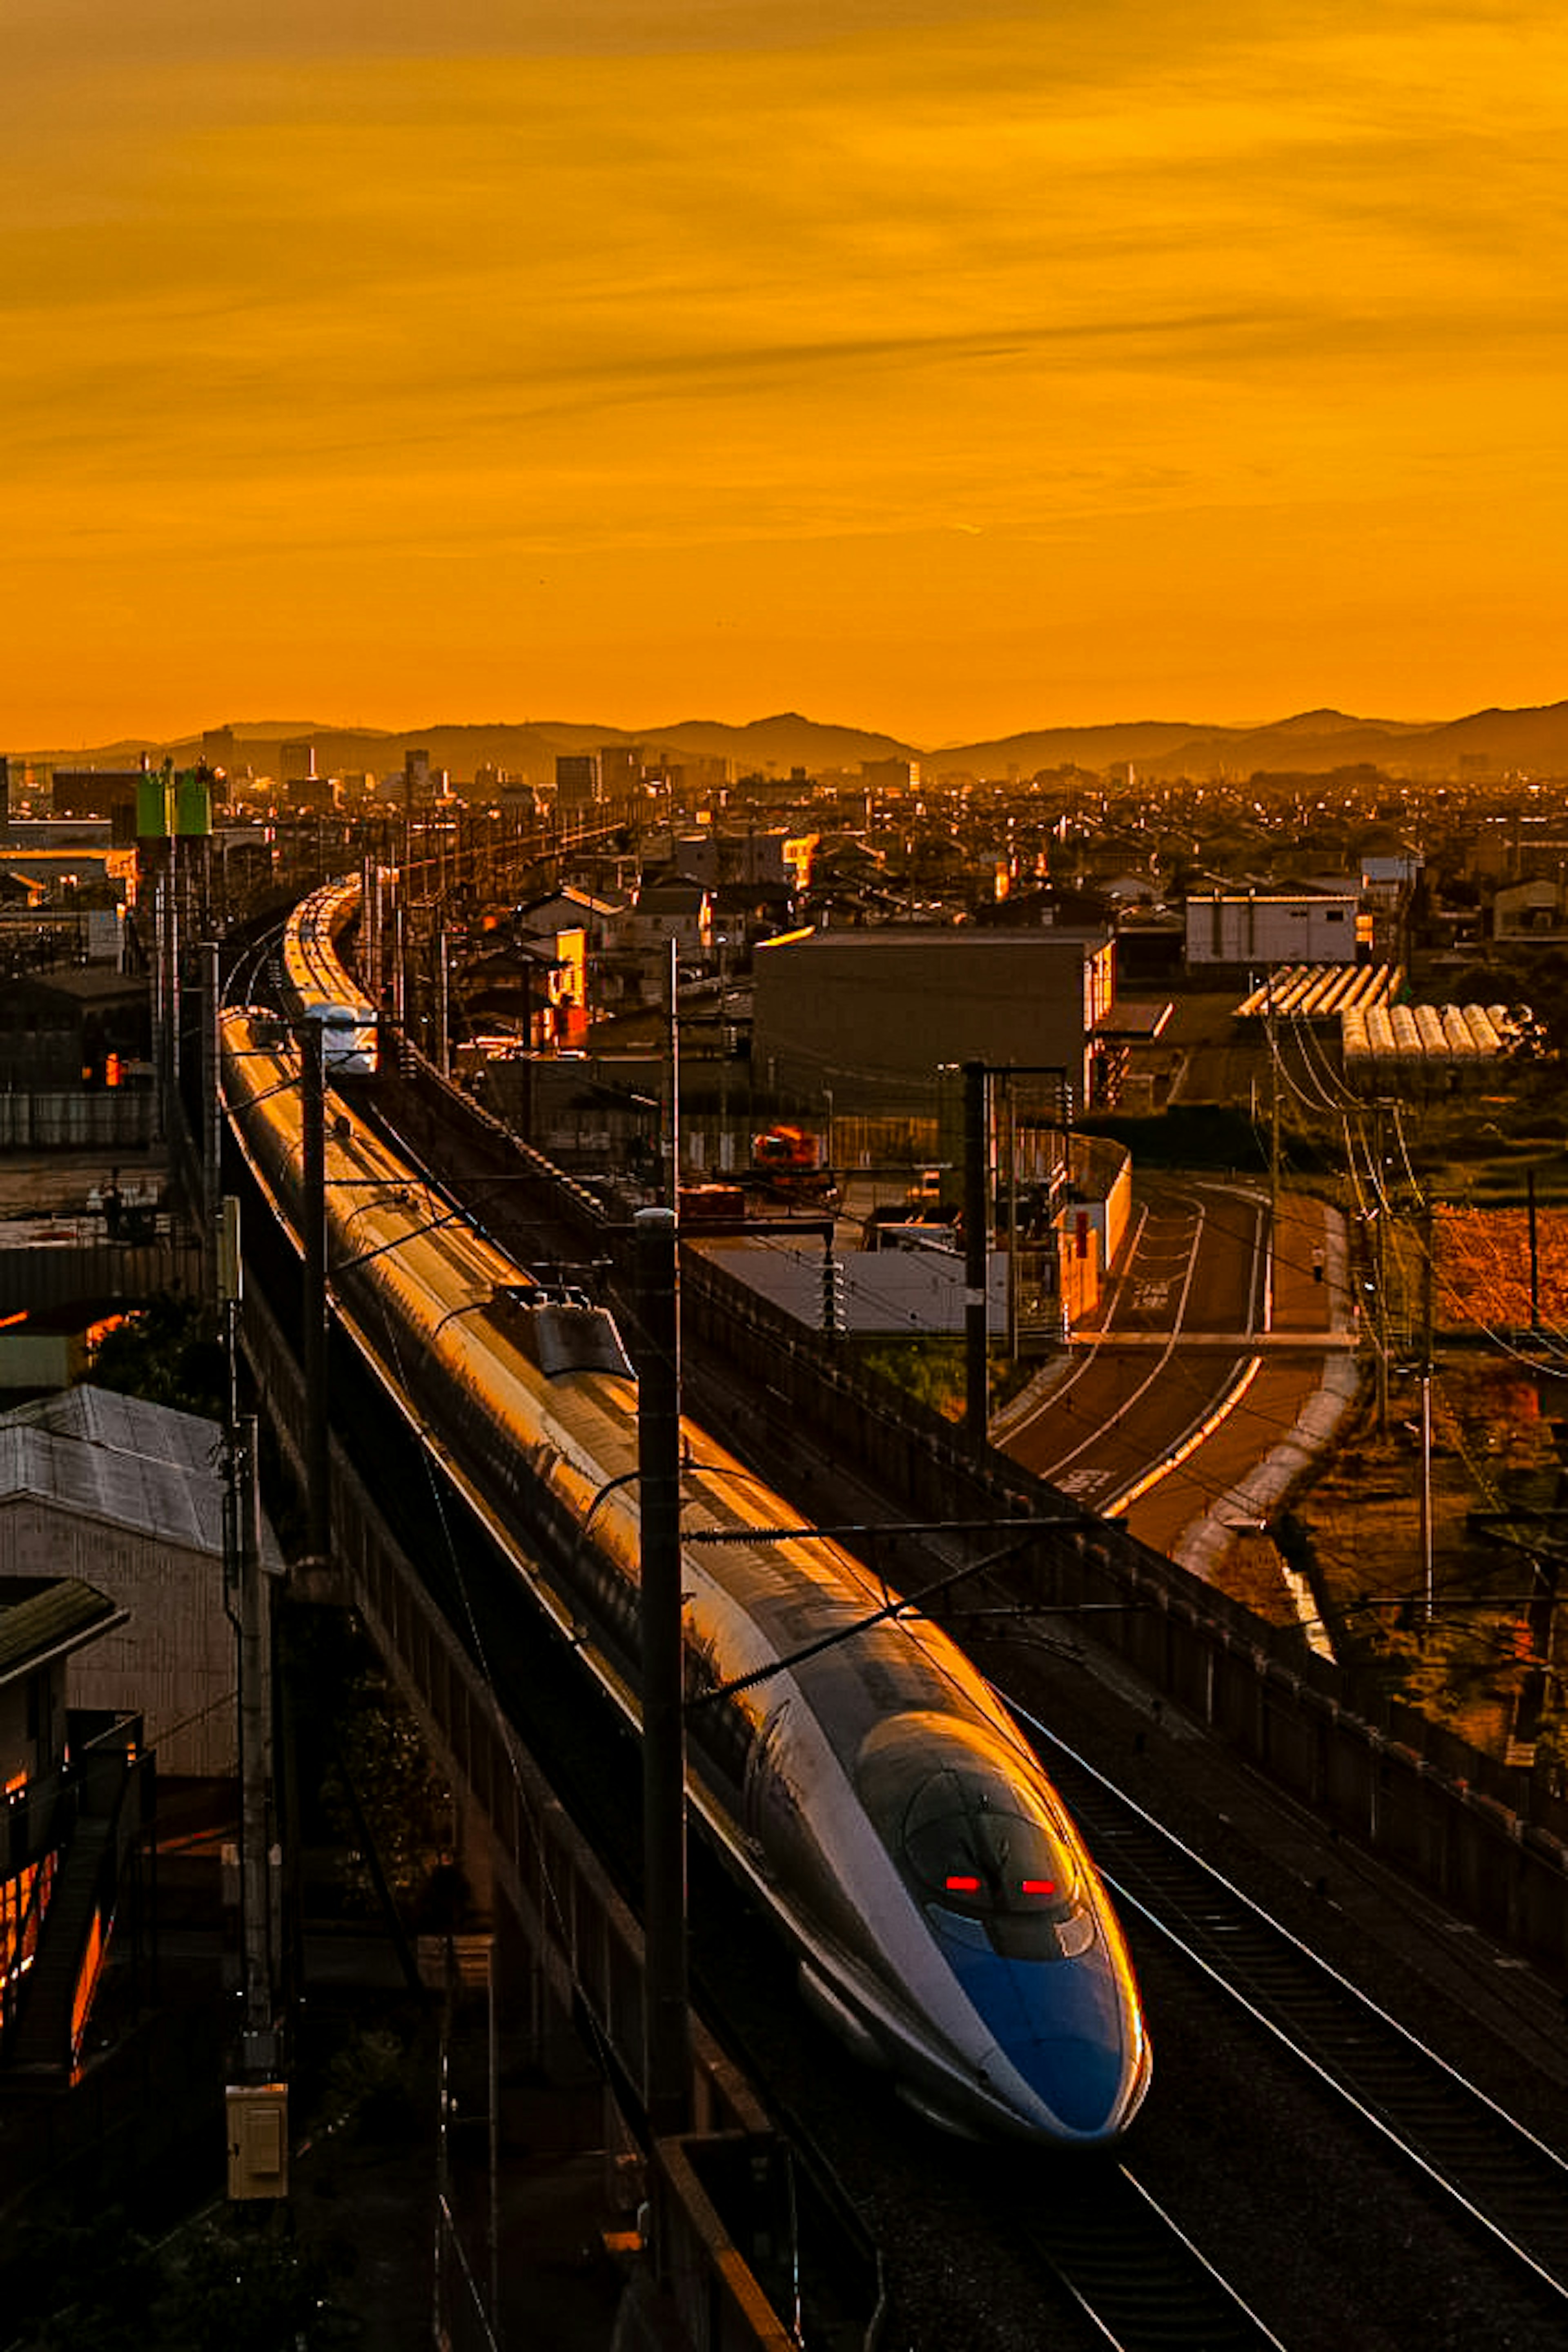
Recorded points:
(1256,927)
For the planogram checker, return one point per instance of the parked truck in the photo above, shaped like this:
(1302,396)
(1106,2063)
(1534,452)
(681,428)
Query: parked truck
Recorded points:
(787,1165)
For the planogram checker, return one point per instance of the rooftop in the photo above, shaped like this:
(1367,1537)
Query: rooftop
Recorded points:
(146,1467)
(40,1620)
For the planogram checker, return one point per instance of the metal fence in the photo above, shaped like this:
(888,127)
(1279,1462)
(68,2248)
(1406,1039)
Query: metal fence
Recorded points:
(119,1119)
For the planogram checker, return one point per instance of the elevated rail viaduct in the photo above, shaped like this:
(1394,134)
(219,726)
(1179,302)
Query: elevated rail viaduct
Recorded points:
(1489,1840)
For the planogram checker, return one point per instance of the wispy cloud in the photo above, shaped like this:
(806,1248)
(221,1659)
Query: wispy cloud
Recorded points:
(724,275)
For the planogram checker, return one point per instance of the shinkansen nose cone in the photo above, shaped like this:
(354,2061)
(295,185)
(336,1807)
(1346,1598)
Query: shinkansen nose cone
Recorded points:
(1022,1923)
(1071,2051)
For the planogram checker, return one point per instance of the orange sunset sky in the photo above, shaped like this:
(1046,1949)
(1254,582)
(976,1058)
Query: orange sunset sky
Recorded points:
(942,370)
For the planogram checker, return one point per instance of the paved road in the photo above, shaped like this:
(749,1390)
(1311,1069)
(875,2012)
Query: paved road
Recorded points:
(1221,1356)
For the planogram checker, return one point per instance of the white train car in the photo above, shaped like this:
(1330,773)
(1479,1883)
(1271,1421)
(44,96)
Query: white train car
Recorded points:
(876,1798)
(318,985)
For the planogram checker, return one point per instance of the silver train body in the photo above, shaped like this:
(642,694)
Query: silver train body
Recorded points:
(318,987)
(879,1801)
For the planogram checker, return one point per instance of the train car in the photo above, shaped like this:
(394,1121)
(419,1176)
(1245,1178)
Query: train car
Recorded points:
(348,1038)
(875,1796)
(318,986)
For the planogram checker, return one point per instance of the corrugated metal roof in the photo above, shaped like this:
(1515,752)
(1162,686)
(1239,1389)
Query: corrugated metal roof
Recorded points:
(146,1467)
(46,1618)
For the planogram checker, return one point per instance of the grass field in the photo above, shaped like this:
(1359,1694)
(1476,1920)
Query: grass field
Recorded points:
(1450,1642)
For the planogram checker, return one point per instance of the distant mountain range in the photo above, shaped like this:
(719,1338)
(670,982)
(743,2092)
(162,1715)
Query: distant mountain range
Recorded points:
(1313,742)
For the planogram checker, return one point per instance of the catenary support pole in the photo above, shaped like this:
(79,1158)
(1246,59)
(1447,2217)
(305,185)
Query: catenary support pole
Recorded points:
(1427,1578)
(211,1123)
(314,1153)
(976,1256)
(669,1139)
(259,2036)
(664,1755)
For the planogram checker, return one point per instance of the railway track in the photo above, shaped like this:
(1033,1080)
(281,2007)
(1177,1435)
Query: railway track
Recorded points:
(1141,2282)
(1073,2253)
(1133,2276)
(1113,2256)
(1508,2183)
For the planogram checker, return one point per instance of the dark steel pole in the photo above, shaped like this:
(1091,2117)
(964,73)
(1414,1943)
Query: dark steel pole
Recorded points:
(975,1254)
(212,1121)
(669,1140)
(669,2065)
(1426,1309)
(261,2056)
(313,1171)
(172,938)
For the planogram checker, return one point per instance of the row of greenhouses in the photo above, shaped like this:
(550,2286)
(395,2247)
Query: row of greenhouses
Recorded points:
(1444,1045)
(1317,991)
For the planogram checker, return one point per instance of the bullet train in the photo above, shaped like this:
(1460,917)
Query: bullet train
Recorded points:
(318,987)
(877,1800)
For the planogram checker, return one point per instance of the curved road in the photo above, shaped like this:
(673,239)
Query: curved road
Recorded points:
(1220,1358)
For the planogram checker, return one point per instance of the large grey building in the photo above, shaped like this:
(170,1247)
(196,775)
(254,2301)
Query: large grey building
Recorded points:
(871,1015)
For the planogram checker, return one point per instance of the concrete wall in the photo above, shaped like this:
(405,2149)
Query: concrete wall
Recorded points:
(871,1016)
(173,1663)
(1253,929)
(1090,1230)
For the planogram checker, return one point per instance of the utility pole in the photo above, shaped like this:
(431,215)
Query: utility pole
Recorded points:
(247,1606)
(259,2038)
(977,1417)
(164,1015)
(1427,1565)
(170,945)
(1383,1335)
(1011,1129)
(314,1209)
(211,1123)
(669,2064)
(669,1139)
(1273,1142)
(370,928)
(442,1057)
(400,956)
(835,1303)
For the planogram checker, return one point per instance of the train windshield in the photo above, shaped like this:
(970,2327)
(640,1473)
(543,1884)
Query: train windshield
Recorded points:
(977,1839)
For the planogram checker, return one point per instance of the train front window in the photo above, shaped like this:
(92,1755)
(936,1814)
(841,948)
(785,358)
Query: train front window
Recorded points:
(968,1845)
(974,1840)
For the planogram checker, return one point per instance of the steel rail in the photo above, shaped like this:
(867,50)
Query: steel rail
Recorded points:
(1132,2271)
(1512,2184)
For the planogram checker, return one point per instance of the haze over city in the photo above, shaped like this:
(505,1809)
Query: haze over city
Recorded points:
(947,371)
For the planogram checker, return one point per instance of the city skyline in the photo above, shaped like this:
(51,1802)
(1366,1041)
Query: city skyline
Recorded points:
(946,371)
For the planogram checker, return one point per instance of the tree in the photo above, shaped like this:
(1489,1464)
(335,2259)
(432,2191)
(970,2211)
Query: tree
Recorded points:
(168,1353)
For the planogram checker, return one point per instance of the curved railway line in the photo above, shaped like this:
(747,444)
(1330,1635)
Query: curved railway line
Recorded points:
(1122,2271)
